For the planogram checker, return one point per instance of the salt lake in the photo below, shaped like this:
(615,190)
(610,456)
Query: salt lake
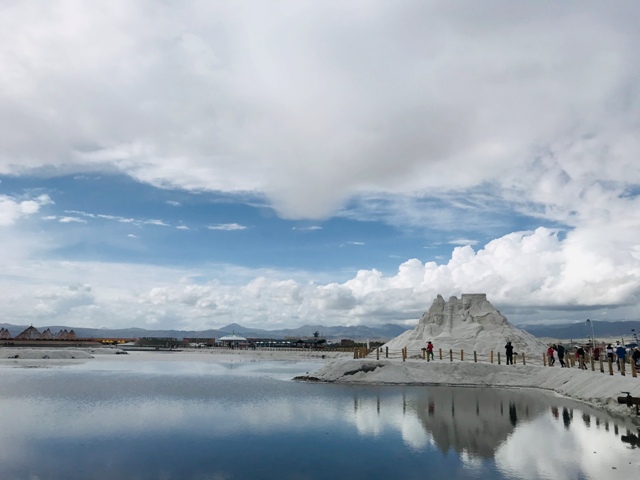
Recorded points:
(167,416)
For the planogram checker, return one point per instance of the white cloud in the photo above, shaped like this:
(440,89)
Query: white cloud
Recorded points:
(528,270)
(414,97)
(228,227)
(72,220)
(12,209)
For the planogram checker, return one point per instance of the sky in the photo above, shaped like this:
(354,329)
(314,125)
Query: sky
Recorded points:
(191,164)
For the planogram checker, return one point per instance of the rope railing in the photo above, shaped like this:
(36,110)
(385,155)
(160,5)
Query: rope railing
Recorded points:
(585,362)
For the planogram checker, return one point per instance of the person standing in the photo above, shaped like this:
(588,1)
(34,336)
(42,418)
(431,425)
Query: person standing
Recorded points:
(560,351)
(610,352)
(550,354)
(635,356)
(509,351)
(621,353)
(430,350)
(580,355)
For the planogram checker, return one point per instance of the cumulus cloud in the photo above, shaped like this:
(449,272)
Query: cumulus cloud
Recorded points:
(426,115)
(351,97)
(12,209)
(527,269)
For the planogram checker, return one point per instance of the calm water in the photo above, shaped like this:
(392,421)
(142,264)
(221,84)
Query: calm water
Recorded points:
(160,416)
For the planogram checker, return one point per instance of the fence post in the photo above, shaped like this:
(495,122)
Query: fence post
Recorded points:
(462,355)
(491,356)
(498,358)
(450,355)
(378,353)
(440,354)
(601,365)
(524,361)
(544,359)
(404,354)
(622,366)
(634,371)
(386,352)
(475,357)
(610,366)
(593,364)
(424,353)
(515,358)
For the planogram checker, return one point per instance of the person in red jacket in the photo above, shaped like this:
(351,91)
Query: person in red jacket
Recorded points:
(430,349)
(551,354)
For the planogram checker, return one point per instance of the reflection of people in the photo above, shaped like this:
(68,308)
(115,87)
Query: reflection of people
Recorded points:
(566,418)
(561,355)
(430,350)
(509,351)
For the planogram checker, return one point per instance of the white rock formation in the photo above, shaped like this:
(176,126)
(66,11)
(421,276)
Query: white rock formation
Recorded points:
(470,324)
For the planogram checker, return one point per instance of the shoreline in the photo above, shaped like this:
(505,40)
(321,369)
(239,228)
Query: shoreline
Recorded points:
(599,390)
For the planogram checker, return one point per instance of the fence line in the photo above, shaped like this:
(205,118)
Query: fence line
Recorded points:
(584,362)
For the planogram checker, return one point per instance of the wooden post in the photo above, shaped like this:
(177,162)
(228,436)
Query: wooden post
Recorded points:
(498,358)
(424,353)
(515,358)
(475,357)
(378,353)
(610,366)
(491,356)
(544,359)
(386,352)
(440,354)
(524,361)
(450,355)
(593,364)
(462,355)
(634,371)
(622,367)
(583,365)
(601,365)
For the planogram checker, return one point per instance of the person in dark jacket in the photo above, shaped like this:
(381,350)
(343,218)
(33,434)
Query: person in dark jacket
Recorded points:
(509,351)
(580,355)
(621,353)
(636,356)
(560,351)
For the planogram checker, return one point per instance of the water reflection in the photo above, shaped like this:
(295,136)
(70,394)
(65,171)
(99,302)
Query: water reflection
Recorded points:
(212,421)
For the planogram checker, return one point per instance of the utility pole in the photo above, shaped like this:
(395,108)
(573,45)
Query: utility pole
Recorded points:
(593,337)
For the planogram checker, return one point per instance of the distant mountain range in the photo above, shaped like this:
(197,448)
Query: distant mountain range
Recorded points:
(565,331)
(334,333)
(582,330)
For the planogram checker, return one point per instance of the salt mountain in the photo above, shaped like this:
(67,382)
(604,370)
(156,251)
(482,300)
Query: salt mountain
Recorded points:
(470,324)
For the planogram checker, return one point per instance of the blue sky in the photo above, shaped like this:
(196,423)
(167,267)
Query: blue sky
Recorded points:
(191,165)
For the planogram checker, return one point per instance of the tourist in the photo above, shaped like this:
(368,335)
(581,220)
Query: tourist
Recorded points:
(509,351)
(636,356)
(429,350)
(560,351)
(580,356)
(550,354)
(609,350)
(621,354)
(596,354)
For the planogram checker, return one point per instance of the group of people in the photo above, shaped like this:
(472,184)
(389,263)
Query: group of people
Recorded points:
(617,354)
(560,351)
